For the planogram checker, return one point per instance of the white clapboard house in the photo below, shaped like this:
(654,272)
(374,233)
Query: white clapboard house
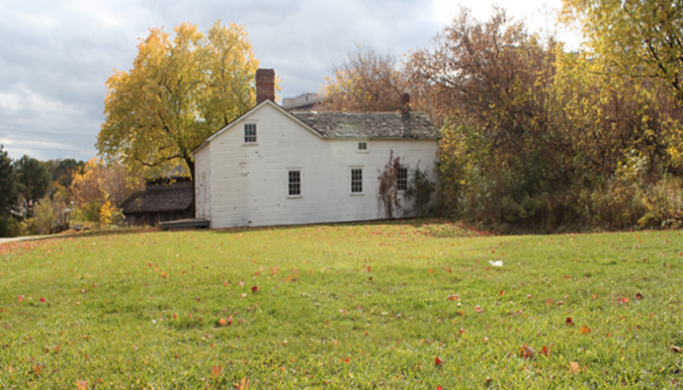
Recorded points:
(274,167)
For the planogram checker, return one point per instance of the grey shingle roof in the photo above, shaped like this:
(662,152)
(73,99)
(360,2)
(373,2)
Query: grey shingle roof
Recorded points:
(158,198)
(391,125)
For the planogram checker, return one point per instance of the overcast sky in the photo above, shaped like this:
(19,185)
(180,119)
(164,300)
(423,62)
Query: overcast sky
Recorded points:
(55,56)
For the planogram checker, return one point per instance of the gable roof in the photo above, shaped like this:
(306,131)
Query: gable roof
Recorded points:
(375,125)
(332,124)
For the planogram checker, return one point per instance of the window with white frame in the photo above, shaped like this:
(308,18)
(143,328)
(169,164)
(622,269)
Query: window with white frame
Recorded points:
(294,183)
(402,179)
(356,180)
(250,133)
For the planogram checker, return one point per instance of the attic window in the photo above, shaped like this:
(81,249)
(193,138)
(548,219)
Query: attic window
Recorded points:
(250,133)
(363,146)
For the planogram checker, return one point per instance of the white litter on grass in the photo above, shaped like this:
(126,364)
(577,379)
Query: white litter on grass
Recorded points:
(498,263)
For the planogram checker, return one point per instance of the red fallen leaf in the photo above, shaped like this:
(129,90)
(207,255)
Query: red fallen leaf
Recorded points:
(478,309)
(639,296)
(198,299)
(452,297)
(559,303)
(81,385)
(42,299)
(225,283)
(527,352)
(175,316)
(438,361)
(216,370)
(584,330)
(622,300)
(462,331)
(346,360)
(549,301)
(595,296)
(544,351)
(501,293)
(20,298)
(569,322)
(255,289)
(439,388)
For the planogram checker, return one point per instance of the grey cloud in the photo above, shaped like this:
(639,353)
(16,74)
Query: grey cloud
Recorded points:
(55,57)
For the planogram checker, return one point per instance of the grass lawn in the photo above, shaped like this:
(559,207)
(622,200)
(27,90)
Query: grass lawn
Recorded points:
(405,305)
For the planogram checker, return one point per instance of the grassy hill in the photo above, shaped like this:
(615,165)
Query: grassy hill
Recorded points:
(406,305)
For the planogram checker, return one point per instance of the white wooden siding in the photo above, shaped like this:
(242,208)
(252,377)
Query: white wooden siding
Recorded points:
(248,184)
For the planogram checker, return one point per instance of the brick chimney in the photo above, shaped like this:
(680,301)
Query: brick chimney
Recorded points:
(265,85)
(405,106)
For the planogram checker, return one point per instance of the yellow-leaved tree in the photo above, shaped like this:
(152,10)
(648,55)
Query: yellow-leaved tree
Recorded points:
(100,188)
(181,90)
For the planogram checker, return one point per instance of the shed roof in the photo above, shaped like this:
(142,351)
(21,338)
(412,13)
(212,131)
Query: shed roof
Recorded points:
(160,197)
(389,125)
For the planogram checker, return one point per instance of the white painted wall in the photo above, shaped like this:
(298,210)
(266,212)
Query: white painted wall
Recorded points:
(248,184)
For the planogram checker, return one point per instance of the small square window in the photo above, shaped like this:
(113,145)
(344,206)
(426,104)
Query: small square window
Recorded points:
(402,179)
(294,183)
(363,146)
(249,133)
(356,180)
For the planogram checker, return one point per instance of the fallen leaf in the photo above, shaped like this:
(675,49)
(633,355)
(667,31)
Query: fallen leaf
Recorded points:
(216,370)
(478,309)
(549,301)
(639,296)
(255,289)
(452,297)
(544,351)
(81,385)
(20,298)
(438,361)
(584,330)
(42,299)
(574,366)
(569,322)
(674,348)
(527,352)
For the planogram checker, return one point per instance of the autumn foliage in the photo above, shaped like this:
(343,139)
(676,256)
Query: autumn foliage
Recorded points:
(100,188)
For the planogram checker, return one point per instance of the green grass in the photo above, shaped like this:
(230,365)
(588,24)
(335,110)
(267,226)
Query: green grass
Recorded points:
(345,306)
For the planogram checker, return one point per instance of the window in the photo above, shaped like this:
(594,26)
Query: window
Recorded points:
(250,133)
(356,180)
(402,179)
(362,146)
(294,183)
